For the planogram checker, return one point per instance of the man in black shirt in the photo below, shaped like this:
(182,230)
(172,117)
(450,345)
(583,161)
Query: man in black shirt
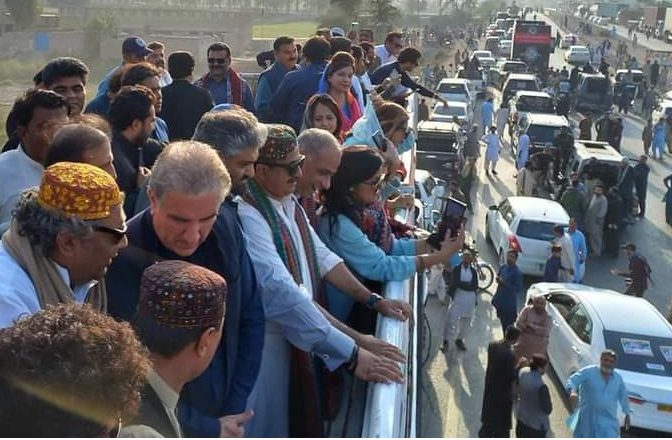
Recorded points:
(183,102)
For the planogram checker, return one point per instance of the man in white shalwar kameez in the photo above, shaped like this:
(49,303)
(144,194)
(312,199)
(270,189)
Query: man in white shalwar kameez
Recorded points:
(288,256)
(491,150)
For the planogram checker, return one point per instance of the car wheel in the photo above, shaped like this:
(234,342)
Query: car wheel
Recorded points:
(488,239)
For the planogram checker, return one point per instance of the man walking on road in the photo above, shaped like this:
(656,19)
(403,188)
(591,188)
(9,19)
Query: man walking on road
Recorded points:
(597,210)
(641,174)
(509,285)
(638,271)
(595,391)
(586,128)
(534,400)
(500,374)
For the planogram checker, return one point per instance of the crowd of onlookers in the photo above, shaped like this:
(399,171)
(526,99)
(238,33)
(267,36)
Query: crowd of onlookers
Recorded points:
(229,244)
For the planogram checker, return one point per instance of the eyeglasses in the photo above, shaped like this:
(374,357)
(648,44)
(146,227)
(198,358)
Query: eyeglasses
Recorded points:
(375,183)
(218,60)
(117,233)
(292,168)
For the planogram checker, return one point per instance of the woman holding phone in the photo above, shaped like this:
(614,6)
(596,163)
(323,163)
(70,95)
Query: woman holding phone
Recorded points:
(354,232)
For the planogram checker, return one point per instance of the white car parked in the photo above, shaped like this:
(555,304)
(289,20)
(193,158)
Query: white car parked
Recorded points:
(524,224)
(577,55)
(456,89)
(481,54)
(444,113)
(587,320)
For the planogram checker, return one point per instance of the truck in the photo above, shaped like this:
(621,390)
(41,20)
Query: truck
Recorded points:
(654,16)
(626,15)
(609,9)
(533,44)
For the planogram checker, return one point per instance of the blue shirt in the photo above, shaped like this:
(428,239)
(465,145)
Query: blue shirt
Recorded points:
(506,297)
(220,94)
(580,248)
(18,295)
(487,111)
(289,102)
(104,85)
(364,258)
(523,150)
(99,105)
(160,132)
(598,400)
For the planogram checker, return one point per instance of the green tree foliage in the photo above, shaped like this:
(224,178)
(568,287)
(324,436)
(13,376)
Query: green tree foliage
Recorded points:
(24,12)
(95,30)
(383,11)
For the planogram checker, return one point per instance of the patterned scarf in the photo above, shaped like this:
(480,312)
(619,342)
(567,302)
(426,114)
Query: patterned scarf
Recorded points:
(234,86)
(305,418)
(376,226)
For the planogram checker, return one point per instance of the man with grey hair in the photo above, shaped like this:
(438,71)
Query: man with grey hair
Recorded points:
(237,135)
(323,156)
(186,221)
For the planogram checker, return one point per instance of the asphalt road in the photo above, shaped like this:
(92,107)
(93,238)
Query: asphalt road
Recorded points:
(452,385)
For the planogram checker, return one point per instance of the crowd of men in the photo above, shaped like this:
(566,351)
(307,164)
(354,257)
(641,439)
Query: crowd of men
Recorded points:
(185,205)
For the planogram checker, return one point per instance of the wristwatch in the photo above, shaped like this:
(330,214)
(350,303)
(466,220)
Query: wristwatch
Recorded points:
(373,299)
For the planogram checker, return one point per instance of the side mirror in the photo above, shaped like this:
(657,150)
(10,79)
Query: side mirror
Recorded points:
(492,207)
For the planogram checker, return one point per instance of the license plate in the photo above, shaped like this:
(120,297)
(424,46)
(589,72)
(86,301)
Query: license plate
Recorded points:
(665,408)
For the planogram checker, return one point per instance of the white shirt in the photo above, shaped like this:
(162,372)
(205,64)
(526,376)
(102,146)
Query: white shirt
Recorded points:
(17,293)
(288,307)
(384,55)
(18,172)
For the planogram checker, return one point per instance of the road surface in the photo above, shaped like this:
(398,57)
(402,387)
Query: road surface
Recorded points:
(452,386)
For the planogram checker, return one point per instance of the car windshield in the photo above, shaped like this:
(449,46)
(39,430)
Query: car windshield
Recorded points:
(597,85)
(514,67)
(451,110)
(535,230)
(536,104)
(641,353)
(521,85)
(542,134)
(636,76)
(578,50)
(452,89)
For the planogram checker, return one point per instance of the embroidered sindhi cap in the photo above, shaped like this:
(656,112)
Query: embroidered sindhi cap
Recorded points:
(177,294)
(80,190)
(281,141)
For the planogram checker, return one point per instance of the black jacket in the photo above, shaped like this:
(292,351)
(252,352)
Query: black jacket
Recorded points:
(455,282)
(153,414)
(182,108)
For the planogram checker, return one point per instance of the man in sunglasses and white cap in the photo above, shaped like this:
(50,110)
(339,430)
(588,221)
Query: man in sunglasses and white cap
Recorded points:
(289,258)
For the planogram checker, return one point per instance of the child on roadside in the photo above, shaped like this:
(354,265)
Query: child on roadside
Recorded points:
(553,265)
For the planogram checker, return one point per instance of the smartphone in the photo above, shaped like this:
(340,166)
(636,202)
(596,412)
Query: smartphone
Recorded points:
(452,218)
(379,141)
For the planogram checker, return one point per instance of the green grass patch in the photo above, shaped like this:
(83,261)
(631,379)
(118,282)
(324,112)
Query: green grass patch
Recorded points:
(296,29)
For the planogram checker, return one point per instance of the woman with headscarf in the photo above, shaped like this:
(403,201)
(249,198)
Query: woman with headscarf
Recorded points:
(322,112)
(535,323)
(337,82)
(347,227)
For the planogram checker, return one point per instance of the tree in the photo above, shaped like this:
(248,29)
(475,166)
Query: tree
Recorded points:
(383,11)
(95,30)
(24,12)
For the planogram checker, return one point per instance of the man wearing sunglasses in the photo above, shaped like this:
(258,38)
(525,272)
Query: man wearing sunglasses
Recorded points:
(61,240)
(290,262)
(224,83)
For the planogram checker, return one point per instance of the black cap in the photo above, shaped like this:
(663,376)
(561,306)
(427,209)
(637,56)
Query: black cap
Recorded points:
(629,246)
(135,46)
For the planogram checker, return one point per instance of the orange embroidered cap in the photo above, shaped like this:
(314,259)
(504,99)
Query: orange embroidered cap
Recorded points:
(80,190)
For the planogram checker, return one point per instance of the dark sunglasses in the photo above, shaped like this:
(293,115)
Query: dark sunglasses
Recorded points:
(118,234)
(292,168)
(218,60)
